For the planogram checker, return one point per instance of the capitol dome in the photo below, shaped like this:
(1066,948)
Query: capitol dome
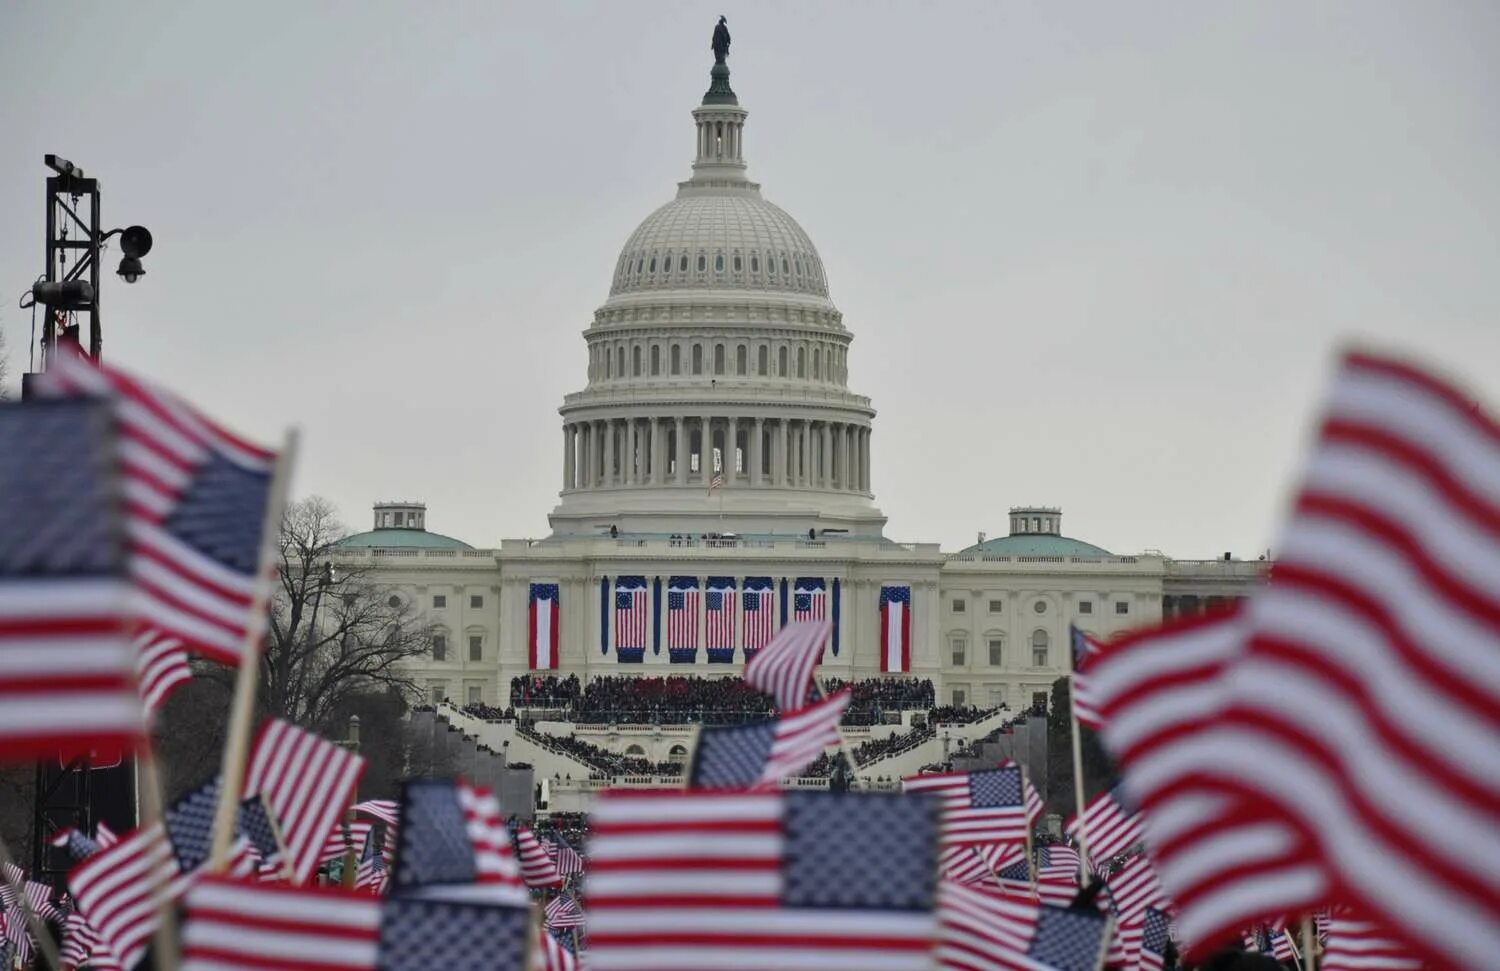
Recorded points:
(716,239)
(717,395)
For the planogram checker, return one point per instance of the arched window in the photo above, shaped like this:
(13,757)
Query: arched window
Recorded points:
(653,264)
(738,265)
(741,361)
(781,362)
(801,362)
(609,364)
(697,358)
(718,358)
(771,264)
(754,263)
(655,359)
(620,362)
(817,363)
(762,357)
(635,360)
(676,359)
(677,754)
(719,263)
(682,264)
(702,262)
(635,751)
(1039,649)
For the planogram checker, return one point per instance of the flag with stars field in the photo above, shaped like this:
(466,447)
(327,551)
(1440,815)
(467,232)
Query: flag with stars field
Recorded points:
(986,931)
(718,613)
(542,619)
(67,667)
(895,629)
(196,498)
(631,612)
(750,881)
(986,806)
(758,607)
(809,598)
(763,753)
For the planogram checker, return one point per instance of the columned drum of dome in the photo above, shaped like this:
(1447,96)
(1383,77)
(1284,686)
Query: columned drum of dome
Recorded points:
(717,396)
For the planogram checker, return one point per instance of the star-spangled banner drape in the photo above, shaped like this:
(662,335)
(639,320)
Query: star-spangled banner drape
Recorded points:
(543,601)
(809,598)
(895,629)
(758,607)
(631,606)
(682,619)
(718,613)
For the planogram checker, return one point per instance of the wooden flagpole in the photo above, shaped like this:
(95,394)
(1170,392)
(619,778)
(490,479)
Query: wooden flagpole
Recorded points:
(39,929)
(1026,821)
(1079,796)
(1309,940)
(152,797)
(242,709)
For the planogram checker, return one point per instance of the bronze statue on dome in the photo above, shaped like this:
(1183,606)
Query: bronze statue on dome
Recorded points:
(721,40)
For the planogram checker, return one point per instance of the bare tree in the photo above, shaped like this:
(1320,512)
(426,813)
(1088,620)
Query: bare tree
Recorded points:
(336,631)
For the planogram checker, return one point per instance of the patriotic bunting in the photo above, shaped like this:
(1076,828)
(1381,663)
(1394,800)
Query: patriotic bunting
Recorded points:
(895,629)
(809,599)
(630,619)
(718,613)
(542,611)
(758,606)
(682,619)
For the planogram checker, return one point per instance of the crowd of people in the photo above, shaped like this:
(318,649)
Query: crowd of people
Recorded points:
(603,763)
(686,699)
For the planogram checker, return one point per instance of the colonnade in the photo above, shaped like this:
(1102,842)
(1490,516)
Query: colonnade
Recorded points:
(800,453)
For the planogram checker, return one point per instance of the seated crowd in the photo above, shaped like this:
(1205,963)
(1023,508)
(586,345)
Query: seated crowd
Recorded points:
(603,763)
(728,700)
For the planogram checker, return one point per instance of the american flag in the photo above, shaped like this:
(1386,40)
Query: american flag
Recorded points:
(809,598)
(67,671)
(1057,870)
(763,753)
(630,612)
(718,609)
(750,881)
(1112,829)
(117,890)
(1359,945)
(82,946)
(1084,647)
(758,607)
(682,614)
(986,931)
(453,846)
(969,863)
(563,911)
(717,482)
(162,665)
(196,497)
(784,668)
(343,839)
(1134,887)
(385,810)
(1282,947)
(306,781)
(567,859)
(1156,940)
(1384,577)
(553,954)
(986,806)
(238,925)
(79,846)
(189,825)
(1158,690)
(537,868)
(372,873)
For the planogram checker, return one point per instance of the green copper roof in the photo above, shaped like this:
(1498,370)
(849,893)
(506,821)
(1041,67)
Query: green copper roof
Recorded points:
(412,538)
(1036,544)
(719,92)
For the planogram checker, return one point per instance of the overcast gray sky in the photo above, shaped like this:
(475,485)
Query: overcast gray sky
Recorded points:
(1097,255)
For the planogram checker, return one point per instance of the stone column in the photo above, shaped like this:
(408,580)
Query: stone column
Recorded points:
(567,457)
(586,455)
(654,424)
(778,452)
(846,452)
(808,476)
(731,445)
(706,450)
(864,458)
(609,453)
(756,444)
(682,452)
(826,479)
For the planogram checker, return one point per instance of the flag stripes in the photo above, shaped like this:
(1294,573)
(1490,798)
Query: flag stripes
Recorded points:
(306,781)
(784,668)
(235,925)
(162,667)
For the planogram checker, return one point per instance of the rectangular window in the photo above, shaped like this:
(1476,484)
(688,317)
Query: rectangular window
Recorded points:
(958,606)
(439,600)
(997,652)
(1038,657)
(960,696)
(476,694)
(960,648)
(1085,606)
(476,601)
(1122,607)
(997,606)
(476,648)
(439,647)
(437,691)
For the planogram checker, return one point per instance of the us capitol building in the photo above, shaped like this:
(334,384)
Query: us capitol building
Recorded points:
(715,482)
